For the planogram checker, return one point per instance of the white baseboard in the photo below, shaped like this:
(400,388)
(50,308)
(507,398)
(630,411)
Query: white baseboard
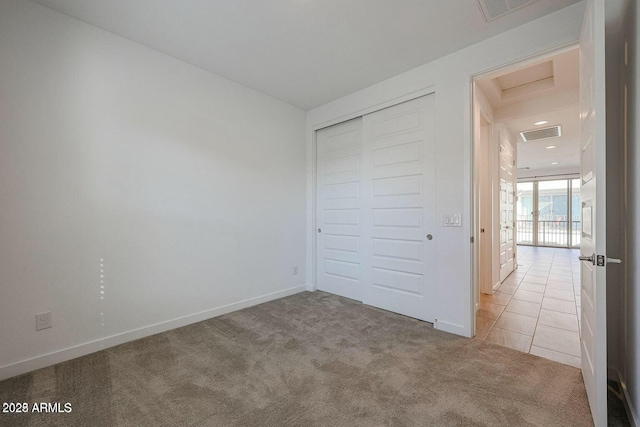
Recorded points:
(453,328)
(38,362)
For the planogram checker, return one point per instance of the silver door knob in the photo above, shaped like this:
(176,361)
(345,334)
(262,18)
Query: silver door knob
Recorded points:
(591,259)
(614,261)
(429,236)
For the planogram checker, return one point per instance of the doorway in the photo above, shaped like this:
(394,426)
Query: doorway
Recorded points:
(591,98)
(528,216)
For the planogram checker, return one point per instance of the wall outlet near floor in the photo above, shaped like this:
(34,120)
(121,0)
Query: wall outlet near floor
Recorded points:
(295,270)
(43,321)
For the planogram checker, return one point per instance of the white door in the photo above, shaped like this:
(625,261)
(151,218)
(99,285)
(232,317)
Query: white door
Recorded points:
(339,158)
(507,206)
(592,192)
(398,196)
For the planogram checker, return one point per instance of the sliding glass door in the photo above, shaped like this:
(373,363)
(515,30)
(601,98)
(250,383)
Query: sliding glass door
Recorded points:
(524,211)
(576,211)
(553,213)
(549,213)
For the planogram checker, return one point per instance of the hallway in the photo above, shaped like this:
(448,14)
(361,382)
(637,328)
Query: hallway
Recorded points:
(536,308)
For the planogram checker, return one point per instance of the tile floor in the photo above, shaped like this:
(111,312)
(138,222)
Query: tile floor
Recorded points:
(536,308)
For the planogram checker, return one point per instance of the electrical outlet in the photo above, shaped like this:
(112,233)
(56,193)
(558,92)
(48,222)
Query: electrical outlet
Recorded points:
(295,270)
(43,321)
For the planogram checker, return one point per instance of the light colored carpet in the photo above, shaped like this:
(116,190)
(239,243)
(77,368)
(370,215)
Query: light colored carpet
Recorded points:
(312,359)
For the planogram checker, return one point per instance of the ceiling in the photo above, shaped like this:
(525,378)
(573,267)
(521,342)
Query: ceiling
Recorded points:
(543,90)
(522,83)
(534,154)
(303,52)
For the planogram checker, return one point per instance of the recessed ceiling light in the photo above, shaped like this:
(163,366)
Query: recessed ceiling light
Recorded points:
(541,122)
(554,163)
(549,147)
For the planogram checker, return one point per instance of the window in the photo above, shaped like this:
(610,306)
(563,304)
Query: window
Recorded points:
(549,213)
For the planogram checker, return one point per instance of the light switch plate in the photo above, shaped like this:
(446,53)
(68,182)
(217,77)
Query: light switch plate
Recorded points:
(452,220)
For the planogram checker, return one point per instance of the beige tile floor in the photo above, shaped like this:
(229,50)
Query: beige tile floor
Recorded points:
(536,308)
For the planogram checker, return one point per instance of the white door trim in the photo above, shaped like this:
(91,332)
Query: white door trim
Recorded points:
(477,226)
(377,107)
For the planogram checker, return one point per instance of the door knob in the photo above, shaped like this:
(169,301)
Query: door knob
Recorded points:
(591,259)
(319,230)
(429,236)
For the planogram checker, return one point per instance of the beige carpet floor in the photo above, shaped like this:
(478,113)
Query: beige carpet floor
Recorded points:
(312,359)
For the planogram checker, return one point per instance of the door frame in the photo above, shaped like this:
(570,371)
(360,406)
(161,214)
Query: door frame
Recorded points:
(474,247)
(476,224)
(428,90)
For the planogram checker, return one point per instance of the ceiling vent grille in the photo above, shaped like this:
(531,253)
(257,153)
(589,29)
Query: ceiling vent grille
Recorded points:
(492,9)
(534,135)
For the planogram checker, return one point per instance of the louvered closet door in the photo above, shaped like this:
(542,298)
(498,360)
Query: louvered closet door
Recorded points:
(339,205)
(398,191)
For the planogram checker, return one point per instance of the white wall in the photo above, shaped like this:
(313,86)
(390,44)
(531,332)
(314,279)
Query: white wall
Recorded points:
(616,215)
(631,327)
(623,204)
(450,76)
(190,187)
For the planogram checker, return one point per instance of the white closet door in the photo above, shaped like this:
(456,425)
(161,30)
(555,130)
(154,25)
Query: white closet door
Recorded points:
(398,191)
(339,204)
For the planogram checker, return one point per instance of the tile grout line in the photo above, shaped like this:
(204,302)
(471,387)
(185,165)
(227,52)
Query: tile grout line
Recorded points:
(554,263)
(536,328)
(538,318)
(504,310)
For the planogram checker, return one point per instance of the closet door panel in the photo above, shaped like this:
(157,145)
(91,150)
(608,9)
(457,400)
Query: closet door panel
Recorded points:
(398,208)
(339,209)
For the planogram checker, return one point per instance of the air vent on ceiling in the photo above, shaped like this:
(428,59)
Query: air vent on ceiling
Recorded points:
(492,9)
(533,135)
